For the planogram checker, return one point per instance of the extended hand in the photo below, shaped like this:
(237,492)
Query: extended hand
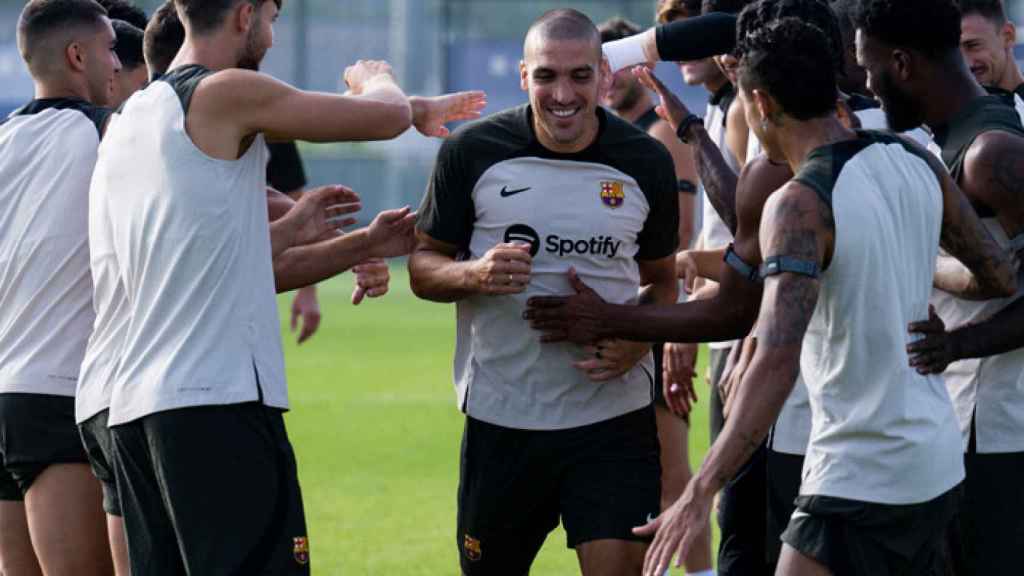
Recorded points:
(502,271)
(573,318)
(679,368)
(358,75)
(372,279)
(936,350)
(675,530)
(321,212)
(687,271)
(392,233)
(671,109)
(609,359)
(306,307)
(729,383)
(429,115)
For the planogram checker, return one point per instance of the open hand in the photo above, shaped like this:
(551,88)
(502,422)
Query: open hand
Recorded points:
(936,350)
(671,109)
(575,319)
(429,115)
(358,75)
(739,362)
(610,359)
(675,531)
(306,307)
(373,278)
(392,233)
(321,212)
(679,368)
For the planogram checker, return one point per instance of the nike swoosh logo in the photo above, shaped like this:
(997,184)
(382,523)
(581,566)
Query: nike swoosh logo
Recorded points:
(505,192)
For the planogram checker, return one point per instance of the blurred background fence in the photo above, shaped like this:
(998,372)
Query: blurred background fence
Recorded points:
(434,45)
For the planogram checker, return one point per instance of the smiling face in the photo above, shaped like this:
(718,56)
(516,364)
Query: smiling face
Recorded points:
(987,48)
(564,80)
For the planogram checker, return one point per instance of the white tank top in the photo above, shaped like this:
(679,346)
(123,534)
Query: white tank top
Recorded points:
(880,432)
(47,156)
(191,239)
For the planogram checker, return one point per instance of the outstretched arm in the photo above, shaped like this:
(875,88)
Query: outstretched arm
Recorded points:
(796,225)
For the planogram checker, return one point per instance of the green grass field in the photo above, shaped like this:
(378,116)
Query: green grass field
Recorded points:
(376,432)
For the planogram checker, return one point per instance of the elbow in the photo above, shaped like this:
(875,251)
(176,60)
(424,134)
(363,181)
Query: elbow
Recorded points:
(743,317)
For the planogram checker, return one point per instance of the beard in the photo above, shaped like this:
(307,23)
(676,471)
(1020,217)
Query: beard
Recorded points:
(253,53)
(630,98)
(902,112)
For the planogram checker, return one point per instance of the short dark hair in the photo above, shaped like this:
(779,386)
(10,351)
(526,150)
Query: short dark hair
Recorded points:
(124,10)
(564,24)
(816,12)
(844,10)
(791,60)
(41,18)
(129,44)
(726,6)
(163,38)
(931,27)
(207,15)
(616,29)
(669,10)
(993,10)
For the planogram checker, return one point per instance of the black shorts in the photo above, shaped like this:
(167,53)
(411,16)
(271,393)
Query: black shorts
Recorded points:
(99,445)
(211,490)
(854,538)
(602,480)
(36,431)
(742,519)
(988,532)
(784,472)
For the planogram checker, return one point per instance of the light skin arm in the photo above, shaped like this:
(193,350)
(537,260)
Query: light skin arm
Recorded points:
(796,224)
(436,275)
(737,132)
(686,170)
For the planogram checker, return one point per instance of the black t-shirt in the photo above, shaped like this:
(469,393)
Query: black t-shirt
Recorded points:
(285,172)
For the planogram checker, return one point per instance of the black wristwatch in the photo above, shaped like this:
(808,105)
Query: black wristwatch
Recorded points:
(685,126)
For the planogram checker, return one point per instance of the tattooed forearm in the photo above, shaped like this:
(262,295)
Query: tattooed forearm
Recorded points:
(718,178)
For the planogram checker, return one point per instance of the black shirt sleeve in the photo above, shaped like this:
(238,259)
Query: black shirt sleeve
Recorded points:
(285,172)
(447,213)
(697,38)
(659,237)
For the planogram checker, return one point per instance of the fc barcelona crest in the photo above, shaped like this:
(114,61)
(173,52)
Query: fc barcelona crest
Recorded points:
(471,546)
(612,194)
(300,547)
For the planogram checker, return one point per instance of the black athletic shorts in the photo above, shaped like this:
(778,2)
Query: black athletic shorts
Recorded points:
(854,538)
(988,532)
(36,431)
(211,490)
(601,480)
(742,519)
(784,472)
(99,445)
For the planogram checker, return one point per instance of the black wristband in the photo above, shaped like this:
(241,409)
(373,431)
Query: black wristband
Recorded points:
(685,126)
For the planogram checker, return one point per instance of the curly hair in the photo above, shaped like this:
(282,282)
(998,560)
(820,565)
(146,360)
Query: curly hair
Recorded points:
(931,27)
(792,61)
(816,12)
(670,10)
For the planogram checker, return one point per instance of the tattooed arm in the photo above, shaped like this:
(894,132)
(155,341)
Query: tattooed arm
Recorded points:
(979,269)
(795,224)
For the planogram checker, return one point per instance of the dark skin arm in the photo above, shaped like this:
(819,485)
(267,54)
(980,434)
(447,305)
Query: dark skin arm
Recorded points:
(986,270)
(585,318)
(993,180)
(796,224)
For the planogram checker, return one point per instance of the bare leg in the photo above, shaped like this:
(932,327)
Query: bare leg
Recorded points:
(118,545)
(673,435)
(793,563)
(17,558)
(611,557)
(65,517)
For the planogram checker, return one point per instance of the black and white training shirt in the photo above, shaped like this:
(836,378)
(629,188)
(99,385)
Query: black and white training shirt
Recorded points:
(600,211)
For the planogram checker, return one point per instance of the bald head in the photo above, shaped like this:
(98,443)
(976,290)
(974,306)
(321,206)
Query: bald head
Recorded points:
(562,25)
(47,27)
